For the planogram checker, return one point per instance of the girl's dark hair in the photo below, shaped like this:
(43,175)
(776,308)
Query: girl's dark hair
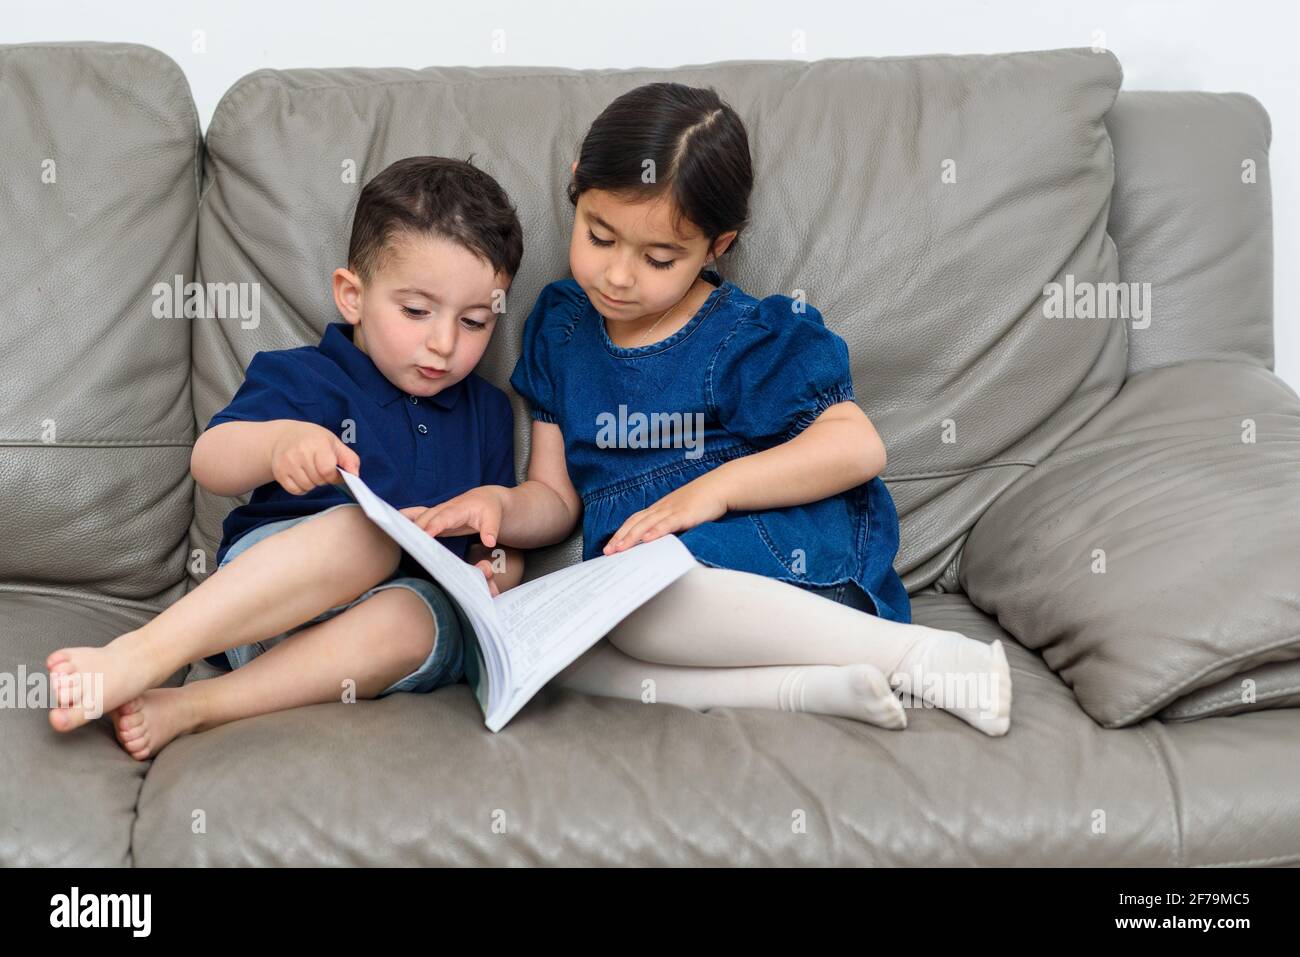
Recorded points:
(435,195)
(698,145)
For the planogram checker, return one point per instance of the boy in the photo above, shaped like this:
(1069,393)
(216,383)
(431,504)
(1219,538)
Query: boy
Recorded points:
(435,243)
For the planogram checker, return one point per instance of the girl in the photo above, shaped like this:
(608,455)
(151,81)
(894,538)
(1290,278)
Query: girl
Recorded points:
(667,400)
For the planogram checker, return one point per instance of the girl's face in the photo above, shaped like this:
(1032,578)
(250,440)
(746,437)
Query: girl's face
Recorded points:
(629,261)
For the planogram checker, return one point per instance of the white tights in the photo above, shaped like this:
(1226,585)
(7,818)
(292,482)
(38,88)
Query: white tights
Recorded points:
(719,638)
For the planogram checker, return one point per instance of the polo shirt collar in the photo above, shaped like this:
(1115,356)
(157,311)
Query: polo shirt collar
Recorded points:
(337,344)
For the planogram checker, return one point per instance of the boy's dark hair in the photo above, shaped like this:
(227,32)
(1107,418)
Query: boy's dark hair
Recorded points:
(700,152)
(433,194)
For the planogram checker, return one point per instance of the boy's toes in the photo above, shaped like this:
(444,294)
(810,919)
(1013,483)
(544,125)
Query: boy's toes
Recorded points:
(55,657)
(65,684)
(125,720)
(131,735)
(66,719)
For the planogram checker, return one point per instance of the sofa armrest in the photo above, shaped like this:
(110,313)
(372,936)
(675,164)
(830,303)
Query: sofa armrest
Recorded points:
(1157,550)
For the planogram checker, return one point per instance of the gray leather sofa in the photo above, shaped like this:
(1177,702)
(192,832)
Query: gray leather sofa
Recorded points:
(1114,495)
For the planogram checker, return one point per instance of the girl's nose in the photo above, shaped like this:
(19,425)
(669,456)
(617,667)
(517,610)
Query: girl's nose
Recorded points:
(618,280)
(618,274)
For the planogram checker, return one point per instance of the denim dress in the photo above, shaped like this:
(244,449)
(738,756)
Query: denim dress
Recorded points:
(741,376)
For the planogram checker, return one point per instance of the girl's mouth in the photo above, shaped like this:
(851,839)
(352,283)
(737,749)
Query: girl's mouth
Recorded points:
(616,302)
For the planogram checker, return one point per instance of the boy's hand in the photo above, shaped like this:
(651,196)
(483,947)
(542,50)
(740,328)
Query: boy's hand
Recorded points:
(478,510)
(485,566)
(307,455)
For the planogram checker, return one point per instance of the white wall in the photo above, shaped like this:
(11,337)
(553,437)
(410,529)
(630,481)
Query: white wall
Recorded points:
(1216,46)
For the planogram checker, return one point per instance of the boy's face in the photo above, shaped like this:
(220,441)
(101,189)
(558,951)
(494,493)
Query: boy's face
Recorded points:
(426,318)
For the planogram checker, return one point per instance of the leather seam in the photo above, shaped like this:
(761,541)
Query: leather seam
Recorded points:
(1231,699)
(957,472)
(1171,797)
(84,596)
(1172,693)
(97,443)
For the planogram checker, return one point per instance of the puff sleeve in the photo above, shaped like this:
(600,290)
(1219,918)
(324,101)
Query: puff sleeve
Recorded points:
(276,386)
(776,372)
(536,373)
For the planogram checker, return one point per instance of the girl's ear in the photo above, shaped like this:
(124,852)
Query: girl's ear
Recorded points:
(723,241)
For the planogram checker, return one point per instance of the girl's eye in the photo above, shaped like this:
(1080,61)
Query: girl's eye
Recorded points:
(655,263)
(414,313)
(474,323)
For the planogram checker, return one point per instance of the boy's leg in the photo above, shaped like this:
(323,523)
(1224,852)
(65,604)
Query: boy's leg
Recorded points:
(374,643)
(277,584)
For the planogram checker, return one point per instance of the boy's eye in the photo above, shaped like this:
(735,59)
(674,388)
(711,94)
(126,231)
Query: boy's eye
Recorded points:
(655,263)
(421,313)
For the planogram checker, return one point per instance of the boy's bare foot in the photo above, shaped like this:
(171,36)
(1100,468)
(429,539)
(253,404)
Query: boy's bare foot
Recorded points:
(147,724)
(116,673)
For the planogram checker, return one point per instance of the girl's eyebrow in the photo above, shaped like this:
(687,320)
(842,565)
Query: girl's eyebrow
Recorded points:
(675,247)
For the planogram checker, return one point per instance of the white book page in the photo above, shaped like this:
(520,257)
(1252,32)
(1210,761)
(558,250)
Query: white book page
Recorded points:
(463,581)
(549,622)
(531,632)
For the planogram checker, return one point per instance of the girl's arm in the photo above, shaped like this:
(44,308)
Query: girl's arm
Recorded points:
(541,511)
(546,507)
(840,450)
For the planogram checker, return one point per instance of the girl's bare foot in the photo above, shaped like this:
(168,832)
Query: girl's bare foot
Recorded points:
(147,724)
(88,682)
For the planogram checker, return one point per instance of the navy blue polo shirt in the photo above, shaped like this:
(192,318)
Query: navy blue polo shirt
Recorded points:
(414,450)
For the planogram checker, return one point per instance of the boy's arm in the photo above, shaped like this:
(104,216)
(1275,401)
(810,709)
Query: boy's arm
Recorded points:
(235,457)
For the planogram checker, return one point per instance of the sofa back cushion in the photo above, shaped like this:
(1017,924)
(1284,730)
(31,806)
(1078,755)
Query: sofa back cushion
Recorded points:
(920,203)
(99,166)
(1192,219)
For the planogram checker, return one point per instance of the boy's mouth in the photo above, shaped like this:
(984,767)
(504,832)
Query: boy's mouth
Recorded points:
(431,373)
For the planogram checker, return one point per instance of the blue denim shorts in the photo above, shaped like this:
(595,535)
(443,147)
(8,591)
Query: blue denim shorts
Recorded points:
(446,662)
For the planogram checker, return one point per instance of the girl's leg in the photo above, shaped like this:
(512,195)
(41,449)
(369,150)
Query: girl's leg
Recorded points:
(375,643)
(856,691)
(277,584)
(718,617)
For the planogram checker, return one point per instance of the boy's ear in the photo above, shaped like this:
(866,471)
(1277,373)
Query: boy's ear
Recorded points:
(348,294)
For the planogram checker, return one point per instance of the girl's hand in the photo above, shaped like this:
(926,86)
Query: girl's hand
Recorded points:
(478,510)
(695,502)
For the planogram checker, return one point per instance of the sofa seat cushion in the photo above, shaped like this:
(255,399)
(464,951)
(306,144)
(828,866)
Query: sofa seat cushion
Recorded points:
(579,779)
(66,800)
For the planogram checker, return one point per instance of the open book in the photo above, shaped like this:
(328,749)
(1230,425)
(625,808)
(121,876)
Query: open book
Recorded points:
(527,635)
